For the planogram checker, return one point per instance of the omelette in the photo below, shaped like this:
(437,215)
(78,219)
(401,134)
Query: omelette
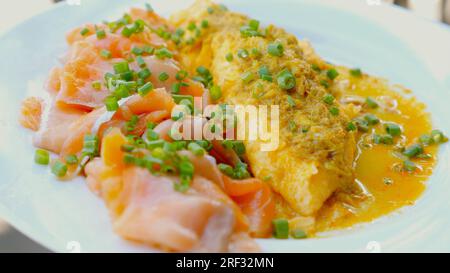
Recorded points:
(316,152)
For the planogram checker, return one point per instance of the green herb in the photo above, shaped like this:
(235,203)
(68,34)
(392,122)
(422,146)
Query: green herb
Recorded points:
(334,111)
(291,101)
(275,49)
(229,57)
(413,150)
(71,159)
(84,31)
(371,119)
(264,74)
(286,80)
(409,166)
(356,72)
(105,54)
(162,53)
(242,53)
(332,74)
(59,169)
(215,92)
(299,234)
(111,104)
(247,77)
(328,99)
(41,157)
(351,126)
(101,34)
(280,228)
(371,103)
(393,129)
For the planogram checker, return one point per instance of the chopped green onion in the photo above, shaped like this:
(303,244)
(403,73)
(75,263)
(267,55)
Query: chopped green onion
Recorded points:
(41,157)
(127,148)
(264,74)
(247,77)
(181,75)
(137,51)
(409,166)
(324,83)
(226,169)
(242,53)
(371,103)
(328,99)
(204,24)
(332,74)
(291,101)
(280,228)
(140,61)
(163,77)
(59,169)
(71,159)
(111,103)
(362,124)
(162,53)
(438,136)
(316,68)
(254,24)
(393,129)
(334,111)
(145,89)
(186,168)
(84,31)
(356,72)
(210,10)
(351,126)
(229,57)
(286,80)
(97,85)
(413,150)
(144,73)
(152,144)
(106,54)
(121,67)
(215,92)
(275,49)
(299,234)
(426,139)
(239,147)
(148,49)
(127,32)
(152,135)
(90,145)
(196,149)
(383,139)
(371,119)
(100,34)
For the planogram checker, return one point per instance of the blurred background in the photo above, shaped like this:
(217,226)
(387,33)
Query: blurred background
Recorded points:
(13,12)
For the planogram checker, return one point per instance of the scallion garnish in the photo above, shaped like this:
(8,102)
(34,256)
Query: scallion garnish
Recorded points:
(59,169)
(145,89)
(275,49)
(280,228)
(41,157)
(286,80)
(393,129)
(332,74)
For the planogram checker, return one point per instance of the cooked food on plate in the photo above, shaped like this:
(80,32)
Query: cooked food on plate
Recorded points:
(351,147)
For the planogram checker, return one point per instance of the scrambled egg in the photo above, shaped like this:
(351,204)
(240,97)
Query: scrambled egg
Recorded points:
(315,155)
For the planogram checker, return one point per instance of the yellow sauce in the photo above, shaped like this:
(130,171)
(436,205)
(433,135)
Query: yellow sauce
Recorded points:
(377,169)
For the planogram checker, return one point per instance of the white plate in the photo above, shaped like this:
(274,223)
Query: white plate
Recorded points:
(382,40)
